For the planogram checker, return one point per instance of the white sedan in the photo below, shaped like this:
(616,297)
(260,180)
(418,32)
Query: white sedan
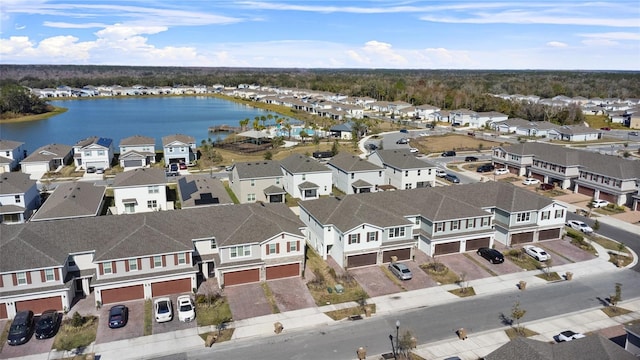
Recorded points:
(531,181)
(163,310)
(536,253)
(413,150)
(600,203)
(568,335)
(580,225)
(502,171)
(186,310)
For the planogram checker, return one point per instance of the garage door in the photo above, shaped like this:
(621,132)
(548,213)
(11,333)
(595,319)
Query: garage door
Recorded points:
(97,165)
(171,287)
(241,277)
(402,254)
(33,168)
(132,163)
(585,191)
(549,234)
(609,197)
(514,170)
(448,248)
(283,271)
(521,238)
(122,294)
(475,244)
(38,306)
(537,176)
(362,260)
(3,311)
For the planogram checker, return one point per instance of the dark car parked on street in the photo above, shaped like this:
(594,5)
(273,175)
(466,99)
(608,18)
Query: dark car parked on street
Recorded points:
(449,153)
(118,316)
(470,158)
(485,168)
(493,255)
(21,328)
(48,324)
(450,177)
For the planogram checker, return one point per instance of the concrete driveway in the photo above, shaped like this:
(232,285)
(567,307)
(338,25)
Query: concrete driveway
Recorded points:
(174,324)
(247,301)
(563,252)
(374,281)
(291,294)
(134,327)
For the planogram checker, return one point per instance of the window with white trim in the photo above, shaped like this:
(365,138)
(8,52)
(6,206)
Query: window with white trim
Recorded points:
(546,215)
(271,249)
(354,238)
(485,221)
(523,217)
(100,152)
(157,261)
(154,189)
(106,268)
(21,278)
(17,199)
(239,251)
(559,213)
(152,204)
(455,225)
(49,275)
(252,182)
(293,246)
(439,227)
(213,244)
(397,232)
(372,236)
(251,197)
(87,153)
(182,259)
(133,264)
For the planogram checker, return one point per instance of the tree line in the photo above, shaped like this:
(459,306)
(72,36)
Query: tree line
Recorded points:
(18,101)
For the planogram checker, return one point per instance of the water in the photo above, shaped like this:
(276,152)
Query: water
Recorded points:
(121,118)
(295,132)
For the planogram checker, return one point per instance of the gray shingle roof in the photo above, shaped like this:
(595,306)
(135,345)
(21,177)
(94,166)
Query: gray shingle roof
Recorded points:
(185,139)
(15,183)
(48,153)
(402,159)
(140,177)
(202,191)
(9,144)
(351,163)
(137,140)
(298,164)
(258,169)
(78,199)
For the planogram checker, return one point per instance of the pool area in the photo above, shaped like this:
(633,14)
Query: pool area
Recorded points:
(295,131)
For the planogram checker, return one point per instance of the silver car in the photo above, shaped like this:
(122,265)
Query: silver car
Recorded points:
(401,271)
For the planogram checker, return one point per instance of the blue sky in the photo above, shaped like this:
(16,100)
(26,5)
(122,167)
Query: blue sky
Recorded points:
(324,34)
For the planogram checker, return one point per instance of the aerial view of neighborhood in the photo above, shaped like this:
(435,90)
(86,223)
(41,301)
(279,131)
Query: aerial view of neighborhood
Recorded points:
(166,195)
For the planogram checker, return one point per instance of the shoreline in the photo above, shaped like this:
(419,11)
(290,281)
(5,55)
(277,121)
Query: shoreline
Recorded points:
(57,111)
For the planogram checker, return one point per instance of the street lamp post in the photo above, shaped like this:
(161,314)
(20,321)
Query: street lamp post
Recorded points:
(397,338)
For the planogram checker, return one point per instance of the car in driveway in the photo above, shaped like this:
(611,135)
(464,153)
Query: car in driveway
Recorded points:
(182,166)
(48,324)
(501,171)
(448,153)
(530,181)
(598,203)
(580,225)
(118,316)
(174,167)
(163,309)
(401,271)
(492,255)
(568,335)
(470,158)
(91,169)
(186,309)
(21,328)
(536,253)
(441,173)
(452,178)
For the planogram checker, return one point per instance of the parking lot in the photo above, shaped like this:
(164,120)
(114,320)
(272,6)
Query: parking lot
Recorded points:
(134,327)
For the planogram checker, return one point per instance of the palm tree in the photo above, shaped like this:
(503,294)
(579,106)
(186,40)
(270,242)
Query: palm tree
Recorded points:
(287,126)
(256,124)
(263,119)
(303,134)
(244,123)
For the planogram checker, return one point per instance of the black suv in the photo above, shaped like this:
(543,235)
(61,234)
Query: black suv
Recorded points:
(449,153)
(21,328)
(470,158)
(492,255)
(48,324)
(485,168)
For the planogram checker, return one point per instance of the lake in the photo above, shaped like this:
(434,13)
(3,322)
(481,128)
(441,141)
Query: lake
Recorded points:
(120,118)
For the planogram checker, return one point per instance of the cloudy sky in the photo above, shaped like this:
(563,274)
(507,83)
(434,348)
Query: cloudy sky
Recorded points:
(400,34)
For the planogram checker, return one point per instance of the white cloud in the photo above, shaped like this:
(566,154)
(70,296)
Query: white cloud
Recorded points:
(119,31)
(383,52)
(614,36)
(600,42)
(557,44)
(15,45)
(525,17)
(66,25)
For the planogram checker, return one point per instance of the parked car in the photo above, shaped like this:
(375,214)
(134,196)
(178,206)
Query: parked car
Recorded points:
(579,225)
(100,171)
(470,158)
(493,255)
(633,133)
(501,171)
(371,147)
(91,169)
(186,309)
(401,271)
(449,153)
(118,316)
(568,335)
(48,324)
(530,181)
(228,168)
(173,167)
(414,150)
(485,168)
(605,128)
(182,166)
(536,253)
(441,173)
(599,203)
(21,328)
(452,178)
(404,131)
(545,186)
(163,309)
(403,141)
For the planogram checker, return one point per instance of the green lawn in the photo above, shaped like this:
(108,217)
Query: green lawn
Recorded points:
(218,312)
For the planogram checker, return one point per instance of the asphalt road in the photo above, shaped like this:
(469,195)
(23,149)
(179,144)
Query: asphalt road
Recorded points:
(428,324)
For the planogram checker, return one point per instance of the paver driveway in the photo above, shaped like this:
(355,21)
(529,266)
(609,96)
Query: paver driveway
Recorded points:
(460,264)
(291,294)
(134,327)
(32,347)
(174,324)
(247,301)
(374,281)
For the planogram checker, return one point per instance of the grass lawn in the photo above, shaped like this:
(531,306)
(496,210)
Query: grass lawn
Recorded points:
(218,312)
(513,333)
(463,292)
(325,279)
(620,260)
(223,335)
(523,260)
(613,311)
(56,111)
(552,276)
(609,244)
(5,334)
(437,144)
(344,313)
(270,298)
(148,318)
(389,274)
(440,273)
(70,337)
(232,195)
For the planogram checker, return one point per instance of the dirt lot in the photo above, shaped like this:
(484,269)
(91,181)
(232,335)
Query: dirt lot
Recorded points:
(436,144)
(134,328)
(291,294)
(247,301)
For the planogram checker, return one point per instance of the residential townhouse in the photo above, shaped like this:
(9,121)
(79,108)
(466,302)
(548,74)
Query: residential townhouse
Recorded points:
(140,190)
(19,197)
(179,149)
(197,191)
(11,153)
(72,200)
(367,229)
(145,255)
(256,181)
(352,174)
(597,175)
(403,170)
(46,158)
(93,151)
(136,152)
(305,178)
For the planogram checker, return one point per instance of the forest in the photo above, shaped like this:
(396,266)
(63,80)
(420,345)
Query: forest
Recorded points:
(447,89)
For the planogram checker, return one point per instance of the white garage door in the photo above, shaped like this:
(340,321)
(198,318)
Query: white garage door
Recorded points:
(34,168)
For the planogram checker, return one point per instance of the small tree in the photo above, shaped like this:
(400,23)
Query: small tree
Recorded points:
(596,225)
(335,148)
(463,282)
(616,297)
(517,313)
(268,155)
(547,267)
(77,320)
